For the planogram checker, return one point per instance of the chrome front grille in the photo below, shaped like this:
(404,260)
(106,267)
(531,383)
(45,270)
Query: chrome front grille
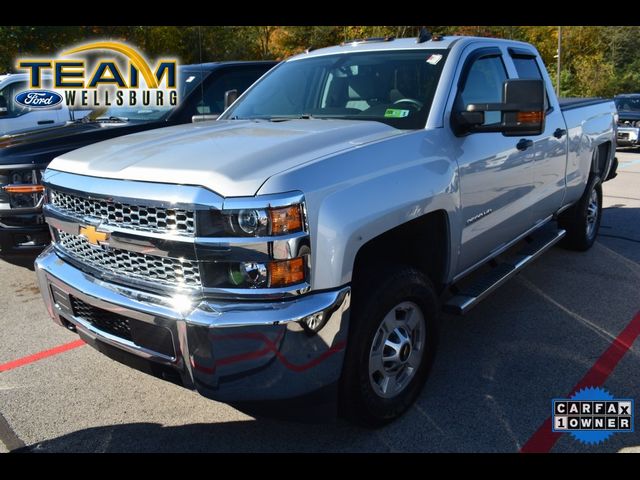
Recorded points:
(174,221)
(169,271)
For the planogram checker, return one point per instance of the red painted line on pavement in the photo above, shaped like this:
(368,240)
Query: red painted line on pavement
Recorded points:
(40,355)
(543,440)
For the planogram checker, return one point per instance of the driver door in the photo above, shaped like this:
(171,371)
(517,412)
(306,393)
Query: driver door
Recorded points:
(496,173)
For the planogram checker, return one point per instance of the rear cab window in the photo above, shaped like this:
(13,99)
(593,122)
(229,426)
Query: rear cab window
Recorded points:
(527,68)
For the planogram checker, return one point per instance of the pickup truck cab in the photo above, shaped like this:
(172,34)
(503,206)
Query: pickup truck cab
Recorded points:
(24,156)
(306,242)
(15,118)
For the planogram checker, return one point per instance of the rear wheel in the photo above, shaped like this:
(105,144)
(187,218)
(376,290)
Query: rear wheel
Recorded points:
(582,221)
(391,346)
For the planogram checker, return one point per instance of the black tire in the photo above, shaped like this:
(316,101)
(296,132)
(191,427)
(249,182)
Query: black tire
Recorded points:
(576,219)
(372,301)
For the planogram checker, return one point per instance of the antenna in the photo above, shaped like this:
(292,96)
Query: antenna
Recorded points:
(424,35)
(201,69)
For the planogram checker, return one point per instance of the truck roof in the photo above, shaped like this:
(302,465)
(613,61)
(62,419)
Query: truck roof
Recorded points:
(17,77)
(209,66)
(443,43)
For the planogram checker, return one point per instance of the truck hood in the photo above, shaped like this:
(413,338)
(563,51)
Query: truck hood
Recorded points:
(230,157)
(39,147)
(627,115)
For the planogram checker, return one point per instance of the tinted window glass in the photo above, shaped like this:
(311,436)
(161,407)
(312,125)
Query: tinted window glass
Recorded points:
(8,93)
(628,104)
(213,98)
(188,80)
(395,88)
(527,68)
(484,85)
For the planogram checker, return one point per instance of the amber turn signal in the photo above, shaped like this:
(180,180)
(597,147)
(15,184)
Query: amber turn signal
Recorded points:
(286,272)
(529,117)
(285,220)
(23,188)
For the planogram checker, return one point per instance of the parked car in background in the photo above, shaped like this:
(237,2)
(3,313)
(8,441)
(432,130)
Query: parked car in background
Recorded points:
(15,118)
(24,156)
(628,106)
(301,246)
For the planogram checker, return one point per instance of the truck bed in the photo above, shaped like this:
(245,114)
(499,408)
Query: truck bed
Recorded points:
(569,103)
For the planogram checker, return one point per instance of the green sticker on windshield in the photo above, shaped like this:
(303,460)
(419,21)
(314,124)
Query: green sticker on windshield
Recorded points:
(396,113)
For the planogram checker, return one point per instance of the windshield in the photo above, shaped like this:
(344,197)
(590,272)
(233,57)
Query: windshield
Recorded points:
(628,104)
(394,87)
(187,81)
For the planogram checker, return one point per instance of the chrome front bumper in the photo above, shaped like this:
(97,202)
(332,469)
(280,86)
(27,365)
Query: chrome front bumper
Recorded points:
(241,351)
(627,136)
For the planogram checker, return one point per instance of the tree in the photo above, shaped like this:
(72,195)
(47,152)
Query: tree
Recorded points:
(596,60)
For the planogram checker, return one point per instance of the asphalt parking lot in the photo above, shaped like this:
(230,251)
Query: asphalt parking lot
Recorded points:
(566,321)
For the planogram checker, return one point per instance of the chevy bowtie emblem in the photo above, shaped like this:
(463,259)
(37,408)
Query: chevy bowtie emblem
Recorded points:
(93,236)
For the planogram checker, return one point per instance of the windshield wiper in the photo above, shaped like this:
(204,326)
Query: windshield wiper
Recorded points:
(84,119)
(112,119)
(276,118)
(304,116)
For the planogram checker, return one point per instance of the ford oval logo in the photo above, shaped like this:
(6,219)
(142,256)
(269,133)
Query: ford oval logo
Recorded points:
(38,98)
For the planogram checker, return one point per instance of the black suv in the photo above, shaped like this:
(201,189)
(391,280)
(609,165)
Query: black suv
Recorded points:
(204,89)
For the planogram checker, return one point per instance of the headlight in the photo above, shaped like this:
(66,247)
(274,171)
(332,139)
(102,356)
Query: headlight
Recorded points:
(252,222)
(22,176)
(269,274)
(251,274)
(22,188)
(255,243)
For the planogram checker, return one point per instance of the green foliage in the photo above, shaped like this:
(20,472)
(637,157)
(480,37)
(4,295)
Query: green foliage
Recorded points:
(596,60)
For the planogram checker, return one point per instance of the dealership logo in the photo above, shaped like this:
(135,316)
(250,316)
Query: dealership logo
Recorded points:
(592,415)
(85,77)
(38,99)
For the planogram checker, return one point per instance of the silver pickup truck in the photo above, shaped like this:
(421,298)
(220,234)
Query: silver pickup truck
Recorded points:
(303,245)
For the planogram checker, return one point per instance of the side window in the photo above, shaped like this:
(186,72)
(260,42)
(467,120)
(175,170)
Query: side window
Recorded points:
(7,93)
(212,102)
(527,68)
(484,85)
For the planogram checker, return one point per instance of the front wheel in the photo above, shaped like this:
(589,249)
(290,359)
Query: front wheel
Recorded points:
(582,221)
(391,346)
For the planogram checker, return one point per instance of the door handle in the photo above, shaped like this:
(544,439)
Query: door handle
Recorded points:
(559,133)
(45,122)
(523,144)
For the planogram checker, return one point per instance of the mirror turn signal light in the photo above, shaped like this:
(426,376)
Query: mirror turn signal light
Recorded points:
(285,220)
(26,188)
(286,272)
(529,117)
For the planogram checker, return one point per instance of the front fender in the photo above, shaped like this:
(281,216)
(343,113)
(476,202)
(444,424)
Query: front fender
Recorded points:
(355,196)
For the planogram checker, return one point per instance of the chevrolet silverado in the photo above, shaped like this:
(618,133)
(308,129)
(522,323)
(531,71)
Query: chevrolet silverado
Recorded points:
(307,240)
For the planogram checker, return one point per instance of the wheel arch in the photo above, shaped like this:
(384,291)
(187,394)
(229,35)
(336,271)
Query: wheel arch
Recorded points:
(601,159)
(422,243)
